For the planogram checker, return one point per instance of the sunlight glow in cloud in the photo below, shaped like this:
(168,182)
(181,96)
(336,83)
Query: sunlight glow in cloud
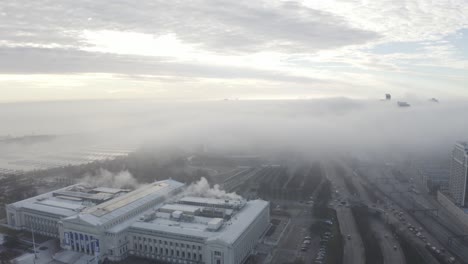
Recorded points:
(243,49)
(134,43)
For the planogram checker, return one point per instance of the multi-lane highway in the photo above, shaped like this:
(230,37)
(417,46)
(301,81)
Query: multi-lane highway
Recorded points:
(435,231)
(353,246)
(391,250)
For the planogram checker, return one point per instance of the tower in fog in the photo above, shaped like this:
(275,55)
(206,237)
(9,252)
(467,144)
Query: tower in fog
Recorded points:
(459,174)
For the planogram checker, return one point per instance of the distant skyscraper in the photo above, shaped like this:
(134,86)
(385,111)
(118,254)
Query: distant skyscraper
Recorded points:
(403,104)
(459,174)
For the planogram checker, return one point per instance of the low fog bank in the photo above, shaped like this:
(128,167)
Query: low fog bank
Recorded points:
(312,127)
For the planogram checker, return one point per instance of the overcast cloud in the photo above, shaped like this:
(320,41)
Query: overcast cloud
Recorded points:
(302,46)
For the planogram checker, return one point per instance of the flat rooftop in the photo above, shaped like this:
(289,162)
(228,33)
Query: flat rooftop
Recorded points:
(191,217)
(198,226)
(108,190)
(123,204)
(225,203)
(181,207)
(127,199)
(66,201)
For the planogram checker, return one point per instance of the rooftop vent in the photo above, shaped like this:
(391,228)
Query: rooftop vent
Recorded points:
(177,214)
(214,224)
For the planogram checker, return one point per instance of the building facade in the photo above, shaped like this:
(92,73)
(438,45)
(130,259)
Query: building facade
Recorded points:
(43,213)
(156,222)
(458,174)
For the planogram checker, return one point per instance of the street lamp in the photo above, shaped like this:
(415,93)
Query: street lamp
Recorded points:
(34,242)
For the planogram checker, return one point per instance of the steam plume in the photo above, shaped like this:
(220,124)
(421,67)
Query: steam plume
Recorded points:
(202,188)
(123,179)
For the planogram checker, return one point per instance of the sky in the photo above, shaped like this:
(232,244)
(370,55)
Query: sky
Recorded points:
(218,49)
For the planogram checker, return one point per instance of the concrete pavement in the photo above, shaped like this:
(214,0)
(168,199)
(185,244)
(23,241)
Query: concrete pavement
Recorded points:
(353,248)
(387,243)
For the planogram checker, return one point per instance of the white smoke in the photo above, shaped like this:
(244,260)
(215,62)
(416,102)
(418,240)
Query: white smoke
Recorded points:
(105,178)
(202,188)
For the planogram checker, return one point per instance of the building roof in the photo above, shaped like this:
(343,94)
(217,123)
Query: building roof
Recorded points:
(230,203)
(181,207)
(53,205)
(241,221)
(108,190)
(110,210)
(198,227)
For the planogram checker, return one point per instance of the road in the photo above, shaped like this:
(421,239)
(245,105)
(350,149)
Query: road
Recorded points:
(436,233)
(353,248)
(427,201)
(442,227)
(386,240)
(387,244)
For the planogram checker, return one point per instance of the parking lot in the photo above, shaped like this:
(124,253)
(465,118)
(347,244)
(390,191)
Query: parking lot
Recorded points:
(291,246)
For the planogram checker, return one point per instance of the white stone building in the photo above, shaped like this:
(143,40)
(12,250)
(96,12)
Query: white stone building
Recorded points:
(155,221)
(43,213)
